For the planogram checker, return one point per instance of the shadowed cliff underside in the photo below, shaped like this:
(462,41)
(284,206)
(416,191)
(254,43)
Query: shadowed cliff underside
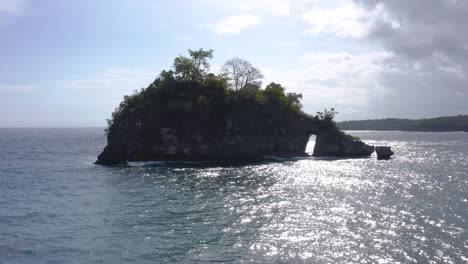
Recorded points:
(245,134)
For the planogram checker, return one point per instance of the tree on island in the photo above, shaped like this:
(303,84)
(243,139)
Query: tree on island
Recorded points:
(327,115)
(241,73)
(191,76)
(194,68)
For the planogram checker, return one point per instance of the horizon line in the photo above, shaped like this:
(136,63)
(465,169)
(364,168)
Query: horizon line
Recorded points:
(13,127)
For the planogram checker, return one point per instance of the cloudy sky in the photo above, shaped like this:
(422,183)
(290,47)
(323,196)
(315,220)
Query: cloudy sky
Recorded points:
(69,63)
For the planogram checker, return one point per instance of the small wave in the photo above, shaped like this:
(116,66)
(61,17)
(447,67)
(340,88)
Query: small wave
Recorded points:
(145,163)
(207,163)
(275,158)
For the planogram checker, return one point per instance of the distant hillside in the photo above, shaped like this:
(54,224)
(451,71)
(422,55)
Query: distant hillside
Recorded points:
(446,123)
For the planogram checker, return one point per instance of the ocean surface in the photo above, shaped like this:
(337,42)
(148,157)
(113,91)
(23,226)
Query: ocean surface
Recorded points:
(57,207)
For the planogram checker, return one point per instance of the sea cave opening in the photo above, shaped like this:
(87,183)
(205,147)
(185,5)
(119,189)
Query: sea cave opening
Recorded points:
(311,144)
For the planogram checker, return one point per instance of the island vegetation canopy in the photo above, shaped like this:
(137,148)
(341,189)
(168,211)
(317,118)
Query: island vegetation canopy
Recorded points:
(191,113)
(190,86)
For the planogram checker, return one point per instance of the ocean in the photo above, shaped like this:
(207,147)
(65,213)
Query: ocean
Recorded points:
(56,206)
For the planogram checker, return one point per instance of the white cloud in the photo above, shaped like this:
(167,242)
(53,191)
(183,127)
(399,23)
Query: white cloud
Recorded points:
(233,24)
(344,20)
(346,81)
(428,43)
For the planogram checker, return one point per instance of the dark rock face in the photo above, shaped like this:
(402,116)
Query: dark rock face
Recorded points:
(198,139)
(241,135)
(338,144)
(384,152)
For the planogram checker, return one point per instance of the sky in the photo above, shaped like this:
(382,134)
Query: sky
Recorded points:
(68,63)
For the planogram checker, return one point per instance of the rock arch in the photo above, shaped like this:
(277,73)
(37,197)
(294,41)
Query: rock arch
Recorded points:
(239,138)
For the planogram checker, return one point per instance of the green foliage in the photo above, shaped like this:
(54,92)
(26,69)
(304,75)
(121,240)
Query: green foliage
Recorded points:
(201,59)
(327,115)
(194,68)
(275,96)
(167,75)
(189,88)
(216,81)
(127,105)
(241,73)
(294,101)
(184,69)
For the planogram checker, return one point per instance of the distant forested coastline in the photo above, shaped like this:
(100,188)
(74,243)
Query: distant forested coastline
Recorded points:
(438,124)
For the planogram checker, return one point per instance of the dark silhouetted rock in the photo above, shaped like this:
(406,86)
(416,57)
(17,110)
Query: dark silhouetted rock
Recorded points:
(193,137)
(175,120)
(384,152)
(240,136)
(338,144)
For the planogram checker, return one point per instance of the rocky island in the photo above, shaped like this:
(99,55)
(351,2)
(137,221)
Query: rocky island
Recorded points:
(190,114)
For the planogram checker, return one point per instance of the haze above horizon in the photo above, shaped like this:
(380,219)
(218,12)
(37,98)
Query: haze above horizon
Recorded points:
(68,64)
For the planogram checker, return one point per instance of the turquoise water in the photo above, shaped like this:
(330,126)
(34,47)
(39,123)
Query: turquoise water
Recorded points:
(57,207)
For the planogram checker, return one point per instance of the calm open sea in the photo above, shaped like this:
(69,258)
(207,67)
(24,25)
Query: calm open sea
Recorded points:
(57,207)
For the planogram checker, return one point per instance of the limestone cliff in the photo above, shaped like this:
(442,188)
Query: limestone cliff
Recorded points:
(334,143)
(191,123)
(247,133)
